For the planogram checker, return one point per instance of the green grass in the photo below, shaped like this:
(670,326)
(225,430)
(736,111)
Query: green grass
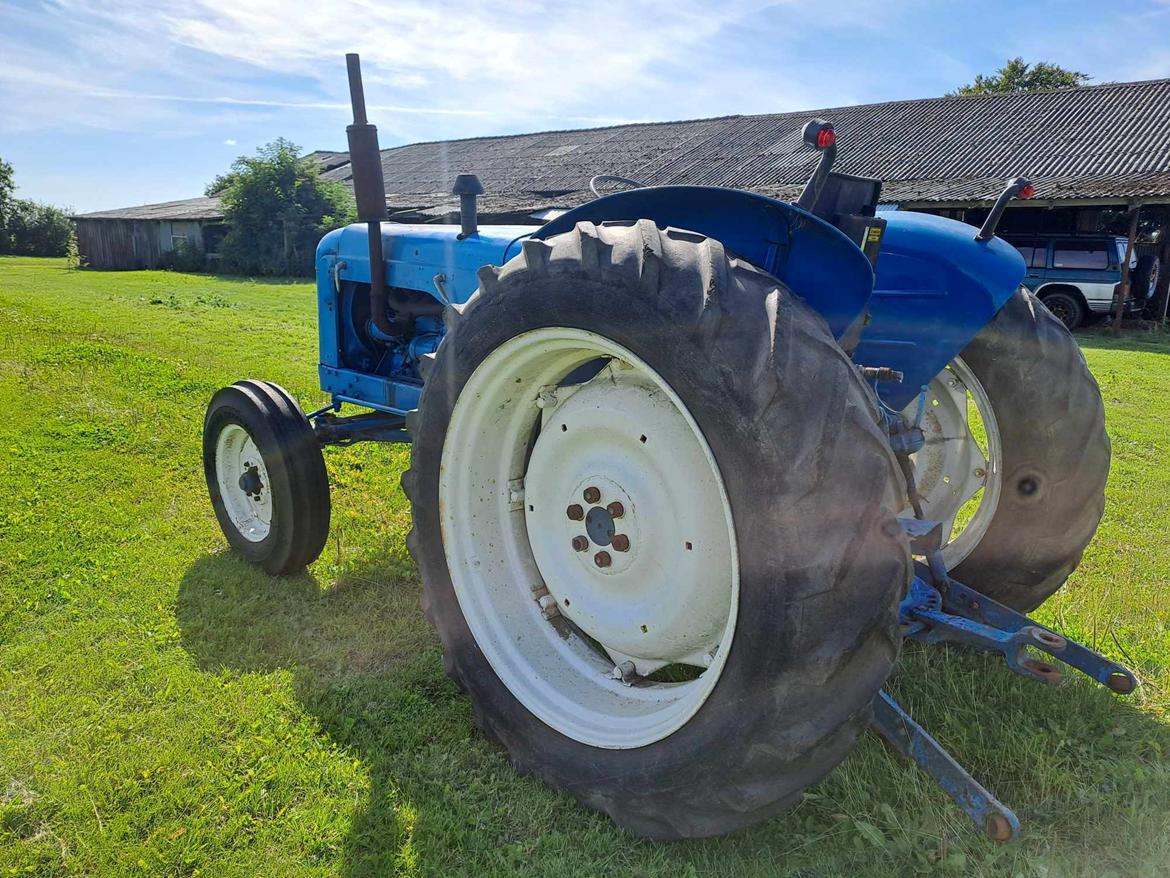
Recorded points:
(167,710)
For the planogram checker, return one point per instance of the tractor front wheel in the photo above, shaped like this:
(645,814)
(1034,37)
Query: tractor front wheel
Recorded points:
(655,520)
(266,476)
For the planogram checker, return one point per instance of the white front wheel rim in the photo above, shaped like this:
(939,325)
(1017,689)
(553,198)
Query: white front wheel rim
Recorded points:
(243,483)
(642,573)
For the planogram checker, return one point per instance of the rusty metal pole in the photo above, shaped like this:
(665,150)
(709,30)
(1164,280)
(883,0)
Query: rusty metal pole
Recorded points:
(1123,293)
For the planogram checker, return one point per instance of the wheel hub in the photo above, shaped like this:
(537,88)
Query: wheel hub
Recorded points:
(250,482)
(644,586)
(242,478)
(599,526)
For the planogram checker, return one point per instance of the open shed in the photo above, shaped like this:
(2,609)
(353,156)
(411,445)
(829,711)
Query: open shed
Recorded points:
(141,237)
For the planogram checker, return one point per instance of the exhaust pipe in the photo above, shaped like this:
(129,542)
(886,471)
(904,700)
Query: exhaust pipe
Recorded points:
(369,190)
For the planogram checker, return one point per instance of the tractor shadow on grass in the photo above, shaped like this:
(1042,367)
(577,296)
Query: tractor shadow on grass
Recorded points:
(367,667)
(1085,772)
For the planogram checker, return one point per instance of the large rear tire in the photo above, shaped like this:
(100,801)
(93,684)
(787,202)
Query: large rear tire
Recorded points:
(752,405)
(1046,481)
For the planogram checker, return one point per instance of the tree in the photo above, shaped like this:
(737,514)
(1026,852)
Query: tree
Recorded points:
(1016,75)
(276,207)
(34,229)
(28,228)
(6,189)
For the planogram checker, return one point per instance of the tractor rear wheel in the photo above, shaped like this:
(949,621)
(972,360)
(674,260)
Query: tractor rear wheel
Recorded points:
(655,520)
(1016,457)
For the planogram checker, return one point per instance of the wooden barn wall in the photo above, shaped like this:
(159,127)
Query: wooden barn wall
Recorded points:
(125,244)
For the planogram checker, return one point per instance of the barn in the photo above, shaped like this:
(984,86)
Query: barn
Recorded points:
(1099,157)
(149,235)
(141,237)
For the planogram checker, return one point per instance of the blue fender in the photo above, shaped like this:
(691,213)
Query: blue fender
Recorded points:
(814,259)
(936,287)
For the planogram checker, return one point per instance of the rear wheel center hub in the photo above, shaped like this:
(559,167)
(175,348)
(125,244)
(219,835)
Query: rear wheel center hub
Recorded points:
(599,526)
(621,506)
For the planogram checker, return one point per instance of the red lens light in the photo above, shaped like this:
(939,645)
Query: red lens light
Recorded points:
(826,137)
(1028,191)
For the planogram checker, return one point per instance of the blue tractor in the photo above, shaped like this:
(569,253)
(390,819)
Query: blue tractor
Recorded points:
(688,463)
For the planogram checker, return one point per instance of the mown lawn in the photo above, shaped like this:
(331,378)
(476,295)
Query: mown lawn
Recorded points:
(167,710)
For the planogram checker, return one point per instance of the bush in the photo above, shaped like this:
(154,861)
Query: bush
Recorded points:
(33,229)
(276,207)
(185,256)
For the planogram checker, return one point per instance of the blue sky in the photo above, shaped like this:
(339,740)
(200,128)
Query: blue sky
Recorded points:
(118,102)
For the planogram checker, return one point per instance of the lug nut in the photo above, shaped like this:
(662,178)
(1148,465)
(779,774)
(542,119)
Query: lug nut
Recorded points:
(580,544)
(616,509)
(575,512)
(602,559)
(620,543)
(592,495)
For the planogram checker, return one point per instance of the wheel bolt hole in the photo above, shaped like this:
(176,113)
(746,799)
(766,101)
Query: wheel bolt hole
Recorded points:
(645,629)
(689,547)
(1027,486)
(642,439)
(564,428)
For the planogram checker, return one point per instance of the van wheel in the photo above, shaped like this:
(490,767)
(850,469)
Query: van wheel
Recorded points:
(1066,307)
(1145,279)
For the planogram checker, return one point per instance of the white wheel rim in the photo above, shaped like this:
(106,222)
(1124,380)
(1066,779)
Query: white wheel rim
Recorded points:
(669,598)
(243,483)
(953,468)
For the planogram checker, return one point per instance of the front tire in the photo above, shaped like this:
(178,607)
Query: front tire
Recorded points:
(266,476)
(782,492)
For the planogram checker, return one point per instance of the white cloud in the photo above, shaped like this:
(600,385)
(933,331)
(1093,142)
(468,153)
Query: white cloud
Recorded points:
(482,65)
(229,142)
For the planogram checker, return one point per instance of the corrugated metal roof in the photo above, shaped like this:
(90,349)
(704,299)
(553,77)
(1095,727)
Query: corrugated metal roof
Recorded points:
(187,209)
(1106,141)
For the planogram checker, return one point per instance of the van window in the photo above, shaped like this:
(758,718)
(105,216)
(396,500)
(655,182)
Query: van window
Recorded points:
(1122,246)
(1033,256)
(1080,254)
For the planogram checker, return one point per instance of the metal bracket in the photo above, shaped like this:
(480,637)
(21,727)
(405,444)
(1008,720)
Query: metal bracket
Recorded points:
(911,740)
(370,427)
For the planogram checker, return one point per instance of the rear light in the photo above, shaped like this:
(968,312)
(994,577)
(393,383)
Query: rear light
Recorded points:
(1028,191)
(826,137)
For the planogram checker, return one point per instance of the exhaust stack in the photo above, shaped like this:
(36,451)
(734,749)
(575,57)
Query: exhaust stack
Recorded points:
(369,190)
